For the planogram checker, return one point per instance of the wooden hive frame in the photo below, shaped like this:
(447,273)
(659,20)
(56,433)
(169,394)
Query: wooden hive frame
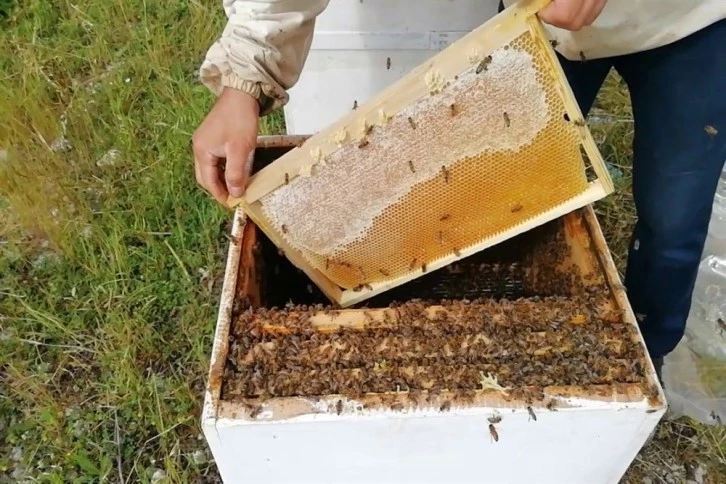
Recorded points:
(503,28)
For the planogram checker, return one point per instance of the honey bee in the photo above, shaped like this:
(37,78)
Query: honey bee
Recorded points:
(582,56)
(413,264)
(287,178)
(355,105)
(446,406)
(494,419)
(454,109)
(493,433)
(339,407)
(715,416)
(517,208)
(384,272)
(412,122)
(551,406)
(445,172)
(444,217)
(710,130)
(423,267)
(531,414)
(256,411)
(580,123)
(457,252)
(484,64)
(232,240)
(578,319)
(284,228)
(367,287)
(721,325)
(363,143)
(388,62)
(368,129)
(506,119)
(411,167)
(554,43)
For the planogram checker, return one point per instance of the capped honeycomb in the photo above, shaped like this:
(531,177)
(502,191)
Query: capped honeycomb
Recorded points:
(484,150)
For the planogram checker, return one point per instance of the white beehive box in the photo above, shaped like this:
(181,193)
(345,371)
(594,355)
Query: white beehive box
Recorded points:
(574,434)
(348,59)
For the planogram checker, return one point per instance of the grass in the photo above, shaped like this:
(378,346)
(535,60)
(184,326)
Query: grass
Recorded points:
(111,257)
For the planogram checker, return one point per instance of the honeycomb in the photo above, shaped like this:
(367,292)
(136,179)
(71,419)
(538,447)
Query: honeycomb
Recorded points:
(485,151)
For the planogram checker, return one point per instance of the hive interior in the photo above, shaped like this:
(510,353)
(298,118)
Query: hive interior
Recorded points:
(443,174)
(517,318)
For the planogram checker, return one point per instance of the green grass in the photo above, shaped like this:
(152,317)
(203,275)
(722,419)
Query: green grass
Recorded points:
(110,274)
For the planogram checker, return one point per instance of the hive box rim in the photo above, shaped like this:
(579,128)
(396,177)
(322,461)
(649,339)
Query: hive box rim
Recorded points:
(522,16)
(218,412)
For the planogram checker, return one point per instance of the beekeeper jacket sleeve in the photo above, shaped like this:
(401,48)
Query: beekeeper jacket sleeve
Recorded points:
(262,49)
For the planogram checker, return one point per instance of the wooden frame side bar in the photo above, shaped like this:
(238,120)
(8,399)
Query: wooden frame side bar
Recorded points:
(573,109)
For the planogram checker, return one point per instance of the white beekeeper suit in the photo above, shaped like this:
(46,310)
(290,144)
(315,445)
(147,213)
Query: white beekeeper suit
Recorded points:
(265,44)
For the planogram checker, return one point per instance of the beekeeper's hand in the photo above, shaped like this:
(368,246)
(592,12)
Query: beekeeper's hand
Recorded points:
(572,14)
(223,142)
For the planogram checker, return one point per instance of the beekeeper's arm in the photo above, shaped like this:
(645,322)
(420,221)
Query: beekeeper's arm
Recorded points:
(258,57)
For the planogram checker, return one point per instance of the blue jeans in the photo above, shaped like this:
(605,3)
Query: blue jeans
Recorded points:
(676,91)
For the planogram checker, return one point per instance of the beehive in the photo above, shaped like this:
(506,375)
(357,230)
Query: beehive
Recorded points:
(481,143)
(522,363)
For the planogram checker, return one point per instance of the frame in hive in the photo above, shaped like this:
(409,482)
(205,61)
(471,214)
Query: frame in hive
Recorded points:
(481,143)
(563,308)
